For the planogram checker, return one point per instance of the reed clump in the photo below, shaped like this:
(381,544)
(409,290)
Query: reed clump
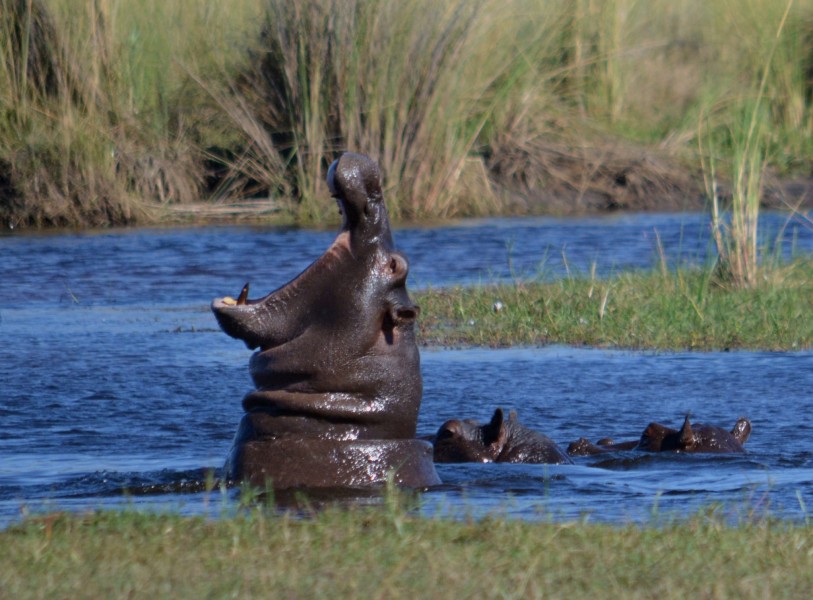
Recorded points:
(114,110)
(99,119)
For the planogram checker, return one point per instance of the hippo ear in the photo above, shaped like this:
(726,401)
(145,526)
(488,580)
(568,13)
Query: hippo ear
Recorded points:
(686,438)
(495,433)
(742,430)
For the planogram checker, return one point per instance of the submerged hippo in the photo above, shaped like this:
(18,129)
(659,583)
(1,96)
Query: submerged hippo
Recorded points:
(584,447)
(336,358)
(695,438)
(500,440)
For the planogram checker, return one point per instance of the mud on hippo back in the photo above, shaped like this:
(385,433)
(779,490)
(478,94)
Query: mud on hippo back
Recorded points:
(500,440)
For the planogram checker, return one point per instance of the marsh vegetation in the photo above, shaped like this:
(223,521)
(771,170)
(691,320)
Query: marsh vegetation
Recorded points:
(389,553)
(115,111)
(661,309)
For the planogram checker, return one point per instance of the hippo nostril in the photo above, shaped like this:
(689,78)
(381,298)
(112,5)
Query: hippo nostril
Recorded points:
(406,314)
(445,434)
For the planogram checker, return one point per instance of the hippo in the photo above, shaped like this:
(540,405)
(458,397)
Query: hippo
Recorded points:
(500,440)
(584,447)
(695,438)
(336,364)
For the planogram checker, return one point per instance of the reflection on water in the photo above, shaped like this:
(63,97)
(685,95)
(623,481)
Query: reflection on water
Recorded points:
(114,377)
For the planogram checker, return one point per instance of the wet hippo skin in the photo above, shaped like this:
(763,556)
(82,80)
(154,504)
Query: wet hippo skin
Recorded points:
(584,447)
(500,440)
(336,359)
(695,438)
(659,438)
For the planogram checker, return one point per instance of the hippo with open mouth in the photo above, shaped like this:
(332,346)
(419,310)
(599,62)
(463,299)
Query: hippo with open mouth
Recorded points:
(336,367)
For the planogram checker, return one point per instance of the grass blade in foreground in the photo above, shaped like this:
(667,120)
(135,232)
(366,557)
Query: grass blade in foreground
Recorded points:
(390,554)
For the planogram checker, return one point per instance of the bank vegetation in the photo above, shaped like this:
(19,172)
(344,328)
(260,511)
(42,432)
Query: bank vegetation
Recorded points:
(391,553)
(661,309)
(115,112)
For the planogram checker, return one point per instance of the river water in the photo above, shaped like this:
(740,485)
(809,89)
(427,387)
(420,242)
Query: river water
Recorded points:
(118,389)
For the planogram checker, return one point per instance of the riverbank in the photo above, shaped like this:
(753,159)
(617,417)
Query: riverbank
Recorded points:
(661,310)
(470,108)
(388,553)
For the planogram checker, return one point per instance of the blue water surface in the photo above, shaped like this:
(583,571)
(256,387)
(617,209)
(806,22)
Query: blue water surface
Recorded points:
(118,389)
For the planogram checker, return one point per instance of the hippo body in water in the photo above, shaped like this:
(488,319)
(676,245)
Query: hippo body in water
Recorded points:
(695,438)
(659,438)
(336,362)
(500,440)
(584,447)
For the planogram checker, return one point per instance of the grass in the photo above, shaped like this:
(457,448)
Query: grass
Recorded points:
(100,122)
(669,310)
(387,553)
(112,112)
(736,237)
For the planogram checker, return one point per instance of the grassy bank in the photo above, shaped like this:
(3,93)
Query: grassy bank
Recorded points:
(684,309)
(112,112)
(389,554)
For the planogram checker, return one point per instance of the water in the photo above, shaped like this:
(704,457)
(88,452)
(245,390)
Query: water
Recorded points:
(117,388)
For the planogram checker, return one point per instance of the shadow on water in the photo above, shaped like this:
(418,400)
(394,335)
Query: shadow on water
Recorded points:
(119,390)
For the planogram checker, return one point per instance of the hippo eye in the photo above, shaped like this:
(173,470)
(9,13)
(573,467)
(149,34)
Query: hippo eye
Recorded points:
(397,266)
(444,434)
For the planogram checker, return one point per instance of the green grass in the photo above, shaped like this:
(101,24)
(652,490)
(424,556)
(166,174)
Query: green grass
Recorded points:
(668,310)
(388,553)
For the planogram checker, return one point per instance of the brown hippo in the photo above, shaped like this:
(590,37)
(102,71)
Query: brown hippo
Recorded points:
(584,447)
(695,438)
(500,440)
(336,362)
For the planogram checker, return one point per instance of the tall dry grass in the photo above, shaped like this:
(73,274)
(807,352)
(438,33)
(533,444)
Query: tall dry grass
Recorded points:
(735,230)
(414,84)
(468,104)
(100,119)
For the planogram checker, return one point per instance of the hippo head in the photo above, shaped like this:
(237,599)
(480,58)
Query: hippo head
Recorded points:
(657,437)
(468,441)
(503,439)
(362,253)
(355,182)
(337,342)
(695,438)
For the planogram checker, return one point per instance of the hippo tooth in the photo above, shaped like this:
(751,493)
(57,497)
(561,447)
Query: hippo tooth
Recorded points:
(243,295)
(229,301)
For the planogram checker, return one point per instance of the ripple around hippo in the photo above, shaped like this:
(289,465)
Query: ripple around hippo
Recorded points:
(337,367)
